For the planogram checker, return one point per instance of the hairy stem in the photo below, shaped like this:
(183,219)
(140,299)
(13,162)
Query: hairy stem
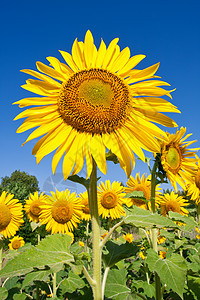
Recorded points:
(104,280)
(93,204)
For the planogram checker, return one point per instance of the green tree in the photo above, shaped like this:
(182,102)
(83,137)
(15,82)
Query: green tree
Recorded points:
(21,184)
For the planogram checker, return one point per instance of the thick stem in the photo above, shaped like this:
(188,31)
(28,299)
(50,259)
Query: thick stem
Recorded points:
(93,204)
(155,230)
(54,285)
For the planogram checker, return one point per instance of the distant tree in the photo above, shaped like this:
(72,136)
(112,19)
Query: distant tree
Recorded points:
(21,184)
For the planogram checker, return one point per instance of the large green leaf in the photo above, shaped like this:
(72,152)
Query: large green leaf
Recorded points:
(194,284)
(38,275)
(172,271)
(114,252)
(3,293)
(22,296)
(116,287)
(71,283)
(52,251)
(189,221)
(143,218)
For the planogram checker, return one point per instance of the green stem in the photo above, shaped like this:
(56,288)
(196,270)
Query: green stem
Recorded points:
(54,285)
(198,212)
(93,204)
(87,236)
(1,252)
(155,230)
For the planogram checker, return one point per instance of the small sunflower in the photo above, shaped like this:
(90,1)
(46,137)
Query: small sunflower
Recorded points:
(128,237)
(162,254)
(110,199)
(61,212)
(11,215)
(173,202)
(32,206)
(95,101)
(193,188)
(85,202)
(16,243)
(140,184)
(177,160)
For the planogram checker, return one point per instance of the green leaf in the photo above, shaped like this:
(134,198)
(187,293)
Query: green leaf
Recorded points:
(112,157)
(3,293)
(19,296)
(52,251)
(135,194)
(145,219)
(148,289)
(189,221)
(116,287)
(38,275)
(171,271)
(81,180)
(194,284)
(71,283)
(115,252)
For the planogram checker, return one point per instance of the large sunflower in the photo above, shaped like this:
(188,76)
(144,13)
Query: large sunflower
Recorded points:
(11,215)
(173,202)
(177,160)
(16,243)
(96,100)
(193,188)
(110,199)
(142,184)
(86,210)
(61,212)
(32,206)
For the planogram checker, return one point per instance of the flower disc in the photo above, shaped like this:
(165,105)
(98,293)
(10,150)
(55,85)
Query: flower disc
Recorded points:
(85,202)
(16,243)
(11,216)
(33,206)
(173,202)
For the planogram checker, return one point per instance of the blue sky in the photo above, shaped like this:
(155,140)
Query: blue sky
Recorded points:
(165,31)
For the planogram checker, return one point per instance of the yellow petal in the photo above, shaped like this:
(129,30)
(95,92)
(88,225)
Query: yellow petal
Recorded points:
(120,61)
(100,54)
(50,71)
(97,149)
(133,61)
(67,57)
(76,54)
(88,48)
(109,53)
(143,74)
(42,77)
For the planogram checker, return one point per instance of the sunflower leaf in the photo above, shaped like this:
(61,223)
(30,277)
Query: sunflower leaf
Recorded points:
(114,252)
(81,180)
(112,157)
(52,251)
(116,287)
(172,271)
(189,221)
(145,219)
(71,283)
(3,293)
(135,194)
(194,284)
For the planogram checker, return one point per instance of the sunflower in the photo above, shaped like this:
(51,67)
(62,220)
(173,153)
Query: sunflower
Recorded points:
(11,215)
(110,199)
(61,212)
(193,188)
(173,202)
(128,237)
(142,184)
(95,101)
(16,243)
(85,202)
(178,161)
(32,206)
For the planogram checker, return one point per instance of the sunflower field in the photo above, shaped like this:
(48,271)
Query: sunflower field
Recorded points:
(113,241)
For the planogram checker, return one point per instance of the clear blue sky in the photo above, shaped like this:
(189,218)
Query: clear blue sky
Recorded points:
(165,31)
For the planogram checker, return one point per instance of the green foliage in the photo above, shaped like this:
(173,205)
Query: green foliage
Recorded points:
(172,271)
(3,293)
(52,251)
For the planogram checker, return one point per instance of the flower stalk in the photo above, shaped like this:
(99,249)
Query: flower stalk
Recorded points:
(93,205)
(155,230)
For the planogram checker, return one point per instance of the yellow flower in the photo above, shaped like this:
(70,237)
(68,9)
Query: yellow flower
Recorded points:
(16,243)
(11,216)
(193,188)
(141,254)
(110,199)
(142,184)
(198,236)
(61,212)
(177,159)
(197,229)
(70,234)
(103,235)
(81,244)
(95,101)
(162,254)
(128,237)
(32,206)
(173,202)
(85,202)
(161,239)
